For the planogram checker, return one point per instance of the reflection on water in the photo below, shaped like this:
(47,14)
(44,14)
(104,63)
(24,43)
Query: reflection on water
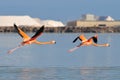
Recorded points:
(60,73)
(100,73)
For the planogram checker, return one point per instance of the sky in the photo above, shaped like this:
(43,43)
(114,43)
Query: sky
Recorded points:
(60,10)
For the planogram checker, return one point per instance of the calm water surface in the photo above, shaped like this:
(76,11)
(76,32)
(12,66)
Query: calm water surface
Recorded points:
(54,62)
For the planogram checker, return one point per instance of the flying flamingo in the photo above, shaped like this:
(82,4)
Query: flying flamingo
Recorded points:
(87,42)
(30,40)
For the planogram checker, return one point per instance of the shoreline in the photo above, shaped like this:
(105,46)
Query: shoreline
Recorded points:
(66,29)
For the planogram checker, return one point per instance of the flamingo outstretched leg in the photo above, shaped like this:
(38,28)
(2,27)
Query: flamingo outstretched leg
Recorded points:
(73,49)
(12,50)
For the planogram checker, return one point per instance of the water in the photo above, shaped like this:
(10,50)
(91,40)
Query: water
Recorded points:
(60,73)
(54,62)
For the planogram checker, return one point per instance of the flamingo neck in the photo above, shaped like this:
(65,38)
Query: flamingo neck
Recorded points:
(104,45)
(49,42)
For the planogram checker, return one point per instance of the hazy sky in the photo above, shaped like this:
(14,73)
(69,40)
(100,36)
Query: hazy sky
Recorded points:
(62,10)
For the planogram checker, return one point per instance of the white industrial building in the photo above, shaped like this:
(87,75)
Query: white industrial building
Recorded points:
(88,17)
(50,23)
(6,21)
(19,20)
(105,18)
(92,17)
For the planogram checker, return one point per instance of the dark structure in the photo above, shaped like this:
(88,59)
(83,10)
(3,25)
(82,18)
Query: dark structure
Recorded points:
(66,29)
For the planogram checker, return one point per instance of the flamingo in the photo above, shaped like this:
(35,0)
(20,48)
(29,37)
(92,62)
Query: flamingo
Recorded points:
(30,40)
(87,42)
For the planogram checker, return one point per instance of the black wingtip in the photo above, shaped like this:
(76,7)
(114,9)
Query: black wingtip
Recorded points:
(15,26)
(75,39)
(42,28)
(94,39)
(39,31)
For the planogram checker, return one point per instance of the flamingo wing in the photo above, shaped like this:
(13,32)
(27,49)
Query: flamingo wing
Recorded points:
(82,38)
(94,38)
(38,33)
(21,33)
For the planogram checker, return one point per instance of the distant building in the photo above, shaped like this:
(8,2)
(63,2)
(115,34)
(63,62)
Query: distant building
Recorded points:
(19,20)
(88,17)
(105,18)
(90,20)
(91,17)
(80,23)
